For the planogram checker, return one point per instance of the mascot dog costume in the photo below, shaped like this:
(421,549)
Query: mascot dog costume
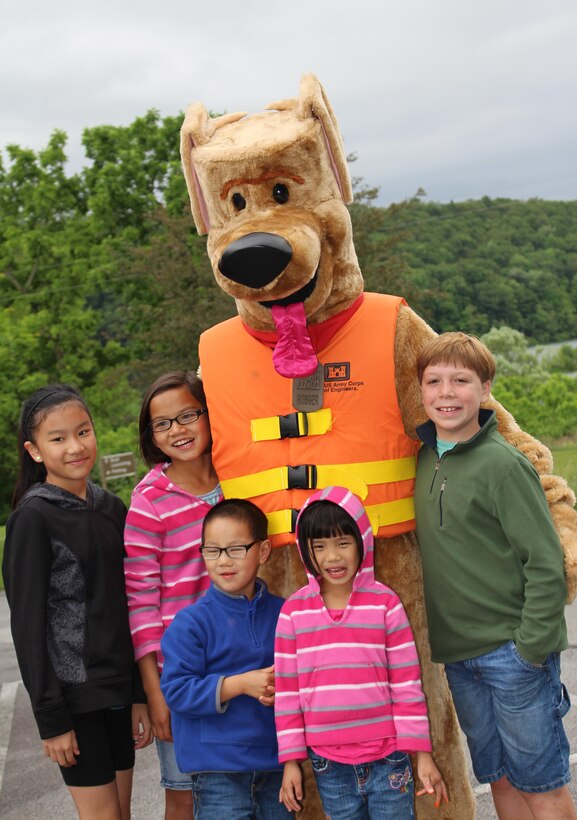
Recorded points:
(314,382)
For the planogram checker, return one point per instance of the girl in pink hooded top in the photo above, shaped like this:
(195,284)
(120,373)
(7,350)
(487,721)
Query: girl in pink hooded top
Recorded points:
(347,675)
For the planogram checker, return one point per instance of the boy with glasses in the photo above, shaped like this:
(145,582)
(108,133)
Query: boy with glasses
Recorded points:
(218,676)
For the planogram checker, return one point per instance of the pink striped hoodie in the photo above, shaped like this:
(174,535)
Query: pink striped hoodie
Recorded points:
(349,681)
(163,568)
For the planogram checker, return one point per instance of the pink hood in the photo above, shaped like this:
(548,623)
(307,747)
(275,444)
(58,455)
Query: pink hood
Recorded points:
(353,506)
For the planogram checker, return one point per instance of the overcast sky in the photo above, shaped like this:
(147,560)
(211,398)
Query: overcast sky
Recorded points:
(460,97)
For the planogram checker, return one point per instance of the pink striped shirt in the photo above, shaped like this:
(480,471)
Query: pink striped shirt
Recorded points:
(163,568)
(349,681)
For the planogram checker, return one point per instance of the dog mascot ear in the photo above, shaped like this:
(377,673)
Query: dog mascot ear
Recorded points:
(313,103)
(198,128)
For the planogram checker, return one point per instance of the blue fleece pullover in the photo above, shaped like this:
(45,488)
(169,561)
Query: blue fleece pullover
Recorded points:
(219,636)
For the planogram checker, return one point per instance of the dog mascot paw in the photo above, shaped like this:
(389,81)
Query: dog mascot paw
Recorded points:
(314,382)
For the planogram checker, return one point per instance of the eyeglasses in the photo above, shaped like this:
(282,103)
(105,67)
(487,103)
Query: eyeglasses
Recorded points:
(237,551)
(186,418)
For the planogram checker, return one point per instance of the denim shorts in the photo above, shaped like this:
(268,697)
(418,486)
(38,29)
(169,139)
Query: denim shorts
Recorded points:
(238,796)
(379,790)
(170,775)
(511,712)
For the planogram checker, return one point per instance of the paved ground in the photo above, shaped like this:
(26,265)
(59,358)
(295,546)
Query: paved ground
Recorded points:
(30,787)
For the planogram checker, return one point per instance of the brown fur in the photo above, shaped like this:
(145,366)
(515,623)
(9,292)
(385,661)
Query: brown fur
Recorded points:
(301,137)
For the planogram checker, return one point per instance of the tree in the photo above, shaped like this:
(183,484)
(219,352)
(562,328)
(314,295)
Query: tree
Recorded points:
(511,352)
(546,408)
(104,282)
(377,234)
(562,360)
(63,289)
(133,169)
(184,298)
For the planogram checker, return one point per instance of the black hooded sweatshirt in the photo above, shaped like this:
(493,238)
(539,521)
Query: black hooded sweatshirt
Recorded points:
(64,580)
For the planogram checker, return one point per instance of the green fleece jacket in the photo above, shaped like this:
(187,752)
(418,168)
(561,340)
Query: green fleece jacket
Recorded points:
(492,561)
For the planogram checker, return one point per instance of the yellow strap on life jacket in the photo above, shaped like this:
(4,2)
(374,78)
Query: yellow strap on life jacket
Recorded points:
(294,425)
(380,515)
(390,512)
(281,521)
(356,477)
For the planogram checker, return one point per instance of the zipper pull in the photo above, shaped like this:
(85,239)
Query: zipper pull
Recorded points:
(437,465)
(441,491)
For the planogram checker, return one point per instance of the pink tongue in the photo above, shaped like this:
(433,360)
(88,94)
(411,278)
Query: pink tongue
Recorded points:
(293,356)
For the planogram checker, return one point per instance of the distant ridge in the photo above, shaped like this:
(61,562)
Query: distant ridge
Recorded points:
(490,262)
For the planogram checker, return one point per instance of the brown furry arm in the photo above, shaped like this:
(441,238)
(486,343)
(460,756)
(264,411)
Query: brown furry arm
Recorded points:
(412,333)
(560,496)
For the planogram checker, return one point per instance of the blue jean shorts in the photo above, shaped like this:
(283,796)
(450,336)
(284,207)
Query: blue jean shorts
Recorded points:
(378,790)
(238,796)
(170,775)
(511,712)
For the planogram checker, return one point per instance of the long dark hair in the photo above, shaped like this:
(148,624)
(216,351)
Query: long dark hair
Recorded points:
(151,454)
(34,411)
(324,519)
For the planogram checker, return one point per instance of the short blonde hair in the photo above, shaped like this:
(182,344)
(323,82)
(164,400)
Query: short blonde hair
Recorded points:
(458,348)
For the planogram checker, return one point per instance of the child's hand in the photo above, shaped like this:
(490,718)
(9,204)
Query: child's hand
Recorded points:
(431,778)
(62,749)
(159,715)
(141,726)
(259,684)
(291,791)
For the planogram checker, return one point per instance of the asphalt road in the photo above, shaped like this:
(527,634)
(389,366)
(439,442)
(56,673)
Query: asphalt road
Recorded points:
(31,786)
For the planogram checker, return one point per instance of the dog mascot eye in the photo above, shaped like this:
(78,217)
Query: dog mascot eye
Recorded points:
(280,193)
(239,201)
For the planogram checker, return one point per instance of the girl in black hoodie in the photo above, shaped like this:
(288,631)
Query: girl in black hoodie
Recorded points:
(64,582)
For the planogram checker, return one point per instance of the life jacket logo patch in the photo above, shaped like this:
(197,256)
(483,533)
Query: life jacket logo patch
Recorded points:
(337,371)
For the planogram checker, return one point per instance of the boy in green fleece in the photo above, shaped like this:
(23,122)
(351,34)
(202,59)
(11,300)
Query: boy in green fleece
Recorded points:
(494,586)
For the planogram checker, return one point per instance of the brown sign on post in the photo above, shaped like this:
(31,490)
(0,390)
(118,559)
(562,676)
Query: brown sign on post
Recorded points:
(118,465)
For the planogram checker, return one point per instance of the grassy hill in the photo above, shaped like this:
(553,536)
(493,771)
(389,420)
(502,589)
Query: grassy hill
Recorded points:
(565,461)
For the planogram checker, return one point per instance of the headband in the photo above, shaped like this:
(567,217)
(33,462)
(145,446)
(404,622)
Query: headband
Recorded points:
(35,405)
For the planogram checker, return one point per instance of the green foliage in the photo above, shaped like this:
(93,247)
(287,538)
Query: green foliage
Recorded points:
(543,401)
(105,284)
(183,299)
(562,360)
(511,352)
(495,262)
(69,292)
(2,535)
(132,168)
(377,235)
(544,407)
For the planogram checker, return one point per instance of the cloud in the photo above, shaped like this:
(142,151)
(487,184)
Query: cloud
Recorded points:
(462,98)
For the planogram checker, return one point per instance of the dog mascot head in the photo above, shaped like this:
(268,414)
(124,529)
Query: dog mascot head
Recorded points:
(280,239)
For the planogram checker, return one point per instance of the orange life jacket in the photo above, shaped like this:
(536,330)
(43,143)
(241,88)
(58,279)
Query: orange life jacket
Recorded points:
(265,451)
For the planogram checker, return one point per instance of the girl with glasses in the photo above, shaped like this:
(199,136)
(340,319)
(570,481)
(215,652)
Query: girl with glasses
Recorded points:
(164,571)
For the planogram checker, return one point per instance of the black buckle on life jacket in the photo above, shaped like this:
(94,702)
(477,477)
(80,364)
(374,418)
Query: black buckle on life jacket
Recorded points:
(294,516)
(302,477)
(289,425)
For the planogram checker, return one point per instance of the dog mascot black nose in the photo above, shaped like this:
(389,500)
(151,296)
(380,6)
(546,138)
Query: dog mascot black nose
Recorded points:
(256,259)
